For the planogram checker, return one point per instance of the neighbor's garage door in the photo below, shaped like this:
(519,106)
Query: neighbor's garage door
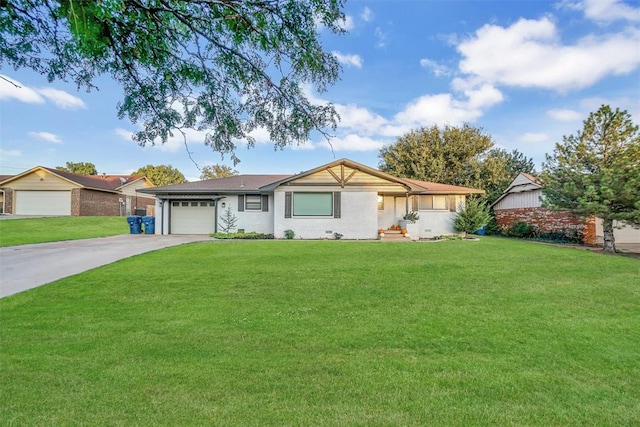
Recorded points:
(193,217)
(43,202)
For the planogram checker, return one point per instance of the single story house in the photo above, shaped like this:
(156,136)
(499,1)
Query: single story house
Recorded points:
(522,202)
(47,191)
(342,197)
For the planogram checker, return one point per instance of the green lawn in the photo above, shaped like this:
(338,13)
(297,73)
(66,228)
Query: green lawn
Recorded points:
(53,229)
(496,332)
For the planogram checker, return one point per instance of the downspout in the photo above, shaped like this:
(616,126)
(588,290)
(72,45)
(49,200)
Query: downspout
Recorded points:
(215,218)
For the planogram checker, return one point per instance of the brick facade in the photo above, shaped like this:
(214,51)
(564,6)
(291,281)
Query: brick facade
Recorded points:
(548,221)
(7,201)
(94,203)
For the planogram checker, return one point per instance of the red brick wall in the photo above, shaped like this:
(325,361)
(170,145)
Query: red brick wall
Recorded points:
(94,203)
(548,221)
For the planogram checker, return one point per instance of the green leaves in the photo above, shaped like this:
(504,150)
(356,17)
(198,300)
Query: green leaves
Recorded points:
(239,63)
(597,170)
(454,155)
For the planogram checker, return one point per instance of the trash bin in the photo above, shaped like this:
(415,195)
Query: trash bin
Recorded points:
(482,231)
(135,224)
(149,224)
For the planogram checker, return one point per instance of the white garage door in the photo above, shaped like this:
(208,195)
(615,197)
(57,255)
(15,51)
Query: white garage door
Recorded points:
(192,217)
(43,202)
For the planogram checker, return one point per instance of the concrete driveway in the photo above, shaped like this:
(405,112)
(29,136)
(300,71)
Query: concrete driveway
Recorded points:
(29,266)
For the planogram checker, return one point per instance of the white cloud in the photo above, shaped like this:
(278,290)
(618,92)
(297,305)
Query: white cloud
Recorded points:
(46,136)
(124,134)
(564,115)
(10,153)
(439,70)
(359,119)
(533,137)
(347,23)
(484,97)
(348,60)
(530,54)
(261,135)
(382,38)
(13,89)
(62,99)
(367,14)
(610,10)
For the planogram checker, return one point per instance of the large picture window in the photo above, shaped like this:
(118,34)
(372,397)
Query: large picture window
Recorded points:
(312,204)
(430,203)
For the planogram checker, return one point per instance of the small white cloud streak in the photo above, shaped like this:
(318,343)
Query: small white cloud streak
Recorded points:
(62,99)
(347,59)
(367,14)
(564,115)
(10,153)
(533,137)
(13,89)
(46,136)
(439,70)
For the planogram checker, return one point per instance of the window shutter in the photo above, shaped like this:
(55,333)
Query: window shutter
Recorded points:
(336,204)
(287,204)
(414,203)
(240,202)
(265,203)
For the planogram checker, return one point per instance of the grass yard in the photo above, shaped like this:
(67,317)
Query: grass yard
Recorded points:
(496,332)
(54,229)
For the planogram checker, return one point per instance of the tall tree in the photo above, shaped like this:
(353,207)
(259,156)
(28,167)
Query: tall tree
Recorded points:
(224,67)
(217,171)
(597,171)
(80,168)
(454,155)
(161,175)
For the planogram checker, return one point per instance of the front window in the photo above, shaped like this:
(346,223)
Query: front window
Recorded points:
(312,204)
(380,203)
(429,203)
(253,202)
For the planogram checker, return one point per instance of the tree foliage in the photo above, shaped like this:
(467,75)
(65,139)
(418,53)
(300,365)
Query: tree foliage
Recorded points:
(217,171)
(472,217)
(223,67)
(454,155)
(80,168)
(597,171)
(161,175)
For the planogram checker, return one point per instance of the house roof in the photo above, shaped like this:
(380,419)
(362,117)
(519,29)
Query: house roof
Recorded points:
(437,188)
(230,184)
(5,177)
(268,183)
(521,183)
(95,182)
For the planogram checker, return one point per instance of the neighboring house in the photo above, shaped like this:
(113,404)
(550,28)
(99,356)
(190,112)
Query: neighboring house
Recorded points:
(340,197)
(2,178)
(522,202)
(47,191)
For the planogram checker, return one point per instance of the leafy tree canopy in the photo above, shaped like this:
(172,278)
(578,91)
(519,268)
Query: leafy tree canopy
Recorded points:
(217,171)
(161,175)
(80,168)
(454,155)
(223,67)
(597,171)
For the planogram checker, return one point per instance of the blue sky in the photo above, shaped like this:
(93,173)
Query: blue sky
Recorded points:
(527,72)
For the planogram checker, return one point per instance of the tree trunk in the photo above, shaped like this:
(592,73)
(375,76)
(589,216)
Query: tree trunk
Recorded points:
(609,240)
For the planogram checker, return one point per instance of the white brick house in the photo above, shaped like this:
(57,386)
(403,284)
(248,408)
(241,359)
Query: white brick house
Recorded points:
(340,197)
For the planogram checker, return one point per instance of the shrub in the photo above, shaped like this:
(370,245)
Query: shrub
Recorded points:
(472,217)
(337,236)
(521,230)
(412,217)
(289,234)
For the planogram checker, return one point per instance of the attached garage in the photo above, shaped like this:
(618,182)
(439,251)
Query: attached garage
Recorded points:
(42,202)
(192,217)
